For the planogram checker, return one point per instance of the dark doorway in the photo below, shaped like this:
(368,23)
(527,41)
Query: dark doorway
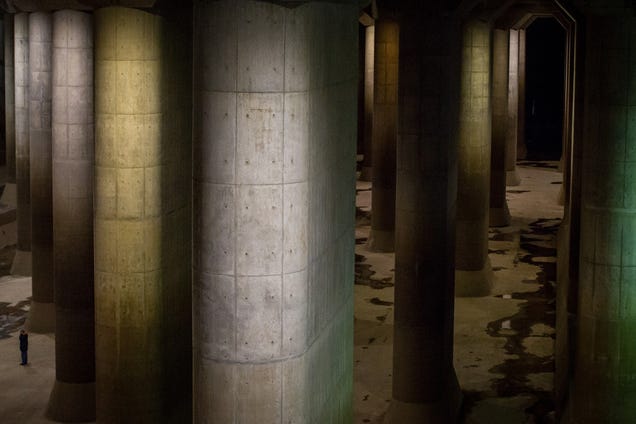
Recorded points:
(545,76)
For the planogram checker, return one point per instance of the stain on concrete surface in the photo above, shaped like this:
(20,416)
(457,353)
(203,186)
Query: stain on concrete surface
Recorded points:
(364,275)
(12,317)
(380,302)
(538,241)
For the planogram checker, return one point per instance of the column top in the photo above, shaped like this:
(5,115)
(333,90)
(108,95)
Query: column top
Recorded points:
(14,6)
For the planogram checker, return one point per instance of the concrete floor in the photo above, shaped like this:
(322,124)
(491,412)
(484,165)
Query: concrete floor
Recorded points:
(503,342)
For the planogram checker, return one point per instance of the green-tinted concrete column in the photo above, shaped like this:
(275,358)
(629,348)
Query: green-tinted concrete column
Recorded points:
(604,383)
(73,395)
(512,176)
(142,219)
(22,261)
(369,57)
(9,95)
(499,212)
(522,150)
(425,387)
(42,311)
(274,147)
(473,273)
(382,235)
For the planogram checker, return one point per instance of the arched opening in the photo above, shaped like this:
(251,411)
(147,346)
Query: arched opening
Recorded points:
(545,84)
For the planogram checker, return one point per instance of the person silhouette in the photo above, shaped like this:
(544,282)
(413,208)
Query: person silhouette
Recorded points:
(24,346)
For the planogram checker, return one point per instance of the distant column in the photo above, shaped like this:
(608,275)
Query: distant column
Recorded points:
(73,395)
(42,312)
(382,235)
(369,57)
(522,149)
(473,273)
(9,95)
(425,388)
(512,176)
(22,261)
(499,213)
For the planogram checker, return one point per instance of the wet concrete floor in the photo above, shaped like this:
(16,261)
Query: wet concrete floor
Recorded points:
(504,355)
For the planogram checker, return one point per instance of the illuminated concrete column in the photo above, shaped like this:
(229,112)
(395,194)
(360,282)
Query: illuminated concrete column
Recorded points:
(499,213)
(382,234)
(425,387)
(142,225)
(512,176)
(9,95)
(73,395)
(42,311)
(274,144)
(369,57)
(604,385)
(522,150)
(22,261)
(473,273)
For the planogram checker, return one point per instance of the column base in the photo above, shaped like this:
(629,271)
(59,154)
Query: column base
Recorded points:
(72,402)
(9,195)
(41,318)
(513,178)
(561,196)
(499,217)
(381,241)
(21,263)
(365,175)
(474,283)
(442,412)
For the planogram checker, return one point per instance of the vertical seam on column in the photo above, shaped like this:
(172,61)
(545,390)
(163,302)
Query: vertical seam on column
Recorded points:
(283,247)
(234,12)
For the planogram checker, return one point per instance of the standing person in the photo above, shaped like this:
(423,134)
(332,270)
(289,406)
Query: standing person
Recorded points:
(24,346)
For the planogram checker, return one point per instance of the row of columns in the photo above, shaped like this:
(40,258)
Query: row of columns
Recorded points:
(483,172)
(272,313)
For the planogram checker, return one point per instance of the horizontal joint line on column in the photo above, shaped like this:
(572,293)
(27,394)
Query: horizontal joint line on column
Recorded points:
(622,211)
(194,269)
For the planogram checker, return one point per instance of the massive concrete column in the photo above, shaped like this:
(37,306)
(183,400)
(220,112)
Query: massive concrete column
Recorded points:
(9,95)
(604,386)
(382,235)
(499,213)
(275,122)
(522,150)
(369,58)
(425,387)
(42,311)
(512,176)
(142,225)
(22,260)
(473,273)
(73,395)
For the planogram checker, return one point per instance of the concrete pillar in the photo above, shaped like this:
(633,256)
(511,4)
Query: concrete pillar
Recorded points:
(512,176)
(369,58)
(425,387)
(42,311)
(473,273)
(73,395)
(522,150)
(499,212)
(9,95)
(142,224)
(604,384)
(22,260)
(274,148)
(382,235)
